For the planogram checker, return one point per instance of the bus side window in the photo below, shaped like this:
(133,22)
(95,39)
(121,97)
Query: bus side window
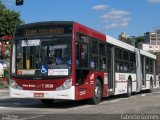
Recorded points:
(119,60)
(93,54)
(132,63)
(102,56)
(77,55)
(84,55)
(93,62)
(149,66)
(81,55)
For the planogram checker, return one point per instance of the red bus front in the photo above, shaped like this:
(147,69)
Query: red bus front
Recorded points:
(58,60)
(42,61)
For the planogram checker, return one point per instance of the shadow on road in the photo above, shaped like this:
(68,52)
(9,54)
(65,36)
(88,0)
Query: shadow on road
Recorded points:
(110,98)
(58,104)
(32,103)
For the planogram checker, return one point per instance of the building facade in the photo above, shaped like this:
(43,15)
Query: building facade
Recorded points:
(123,36)
(151,41)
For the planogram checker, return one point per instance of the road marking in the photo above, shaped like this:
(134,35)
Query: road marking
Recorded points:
(101,103)
(156,92)
(110,101)
(3,107)
(143,95)
(114,101)
(17,108)
(27,118)
(80,107)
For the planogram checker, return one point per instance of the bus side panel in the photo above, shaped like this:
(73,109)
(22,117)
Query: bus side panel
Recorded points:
(86,90)
(105,85)
(121,80)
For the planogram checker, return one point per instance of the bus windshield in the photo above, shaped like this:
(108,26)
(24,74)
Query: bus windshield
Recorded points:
(43,57)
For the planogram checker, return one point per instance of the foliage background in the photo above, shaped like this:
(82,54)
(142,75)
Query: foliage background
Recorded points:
(8,21)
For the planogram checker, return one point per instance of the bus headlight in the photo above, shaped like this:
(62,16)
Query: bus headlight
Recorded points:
(14,85)
(66,85)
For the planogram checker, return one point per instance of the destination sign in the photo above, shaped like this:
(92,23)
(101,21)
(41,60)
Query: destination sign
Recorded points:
(30,31)
(50,31)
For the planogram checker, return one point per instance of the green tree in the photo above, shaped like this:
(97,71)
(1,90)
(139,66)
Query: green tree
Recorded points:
(128,41)
(8,20)
(138,40)
(134,41)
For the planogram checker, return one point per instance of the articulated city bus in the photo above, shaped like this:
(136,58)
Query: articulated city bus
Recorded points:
(67,60)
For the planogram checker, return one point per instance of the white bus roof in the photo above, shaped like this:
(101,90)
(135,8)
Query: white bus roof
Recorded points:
(119,43)
(124,45)
(145,53)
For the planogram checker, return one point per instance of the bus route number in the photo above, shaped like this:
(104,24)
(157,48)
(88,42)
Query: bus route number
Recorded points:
(48,85)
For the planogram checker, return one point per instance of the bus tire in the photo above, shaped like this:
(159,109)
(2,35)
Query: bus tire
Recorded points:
(151,86)
(47,101)
(97,93)
(129,88)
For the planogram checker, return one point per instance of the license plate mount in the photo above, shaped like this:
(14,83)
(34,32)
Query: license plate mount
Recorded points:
(38,95)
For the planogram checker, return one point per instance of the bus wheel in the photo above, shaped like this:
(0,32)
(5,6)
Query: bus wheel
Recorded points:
(129,88)
(97,93)
(151,86)
(47,101)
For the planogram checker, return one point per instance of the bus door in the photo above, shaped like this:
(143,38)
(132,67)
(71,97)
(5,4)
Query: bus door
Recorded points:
(110,68)
(82,58)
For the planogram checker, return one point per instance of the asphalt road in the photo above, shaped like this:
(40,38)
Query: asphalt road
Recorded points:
(139,106)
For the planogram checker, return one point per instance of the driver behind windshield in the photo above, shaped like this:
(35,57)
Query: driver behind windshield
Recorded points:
(58,56)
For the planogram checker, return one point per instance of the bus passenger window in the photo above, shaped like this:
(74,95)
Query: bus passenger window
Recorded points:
(102,63)
(102,56)
(77,55)
(84,56)
(94,62)
(81,55)
(119,66)
(126,66)
(93,54)
(132,63)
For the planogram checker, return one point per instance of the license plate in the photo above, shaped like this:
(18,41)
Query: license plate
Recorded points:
(39,95)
